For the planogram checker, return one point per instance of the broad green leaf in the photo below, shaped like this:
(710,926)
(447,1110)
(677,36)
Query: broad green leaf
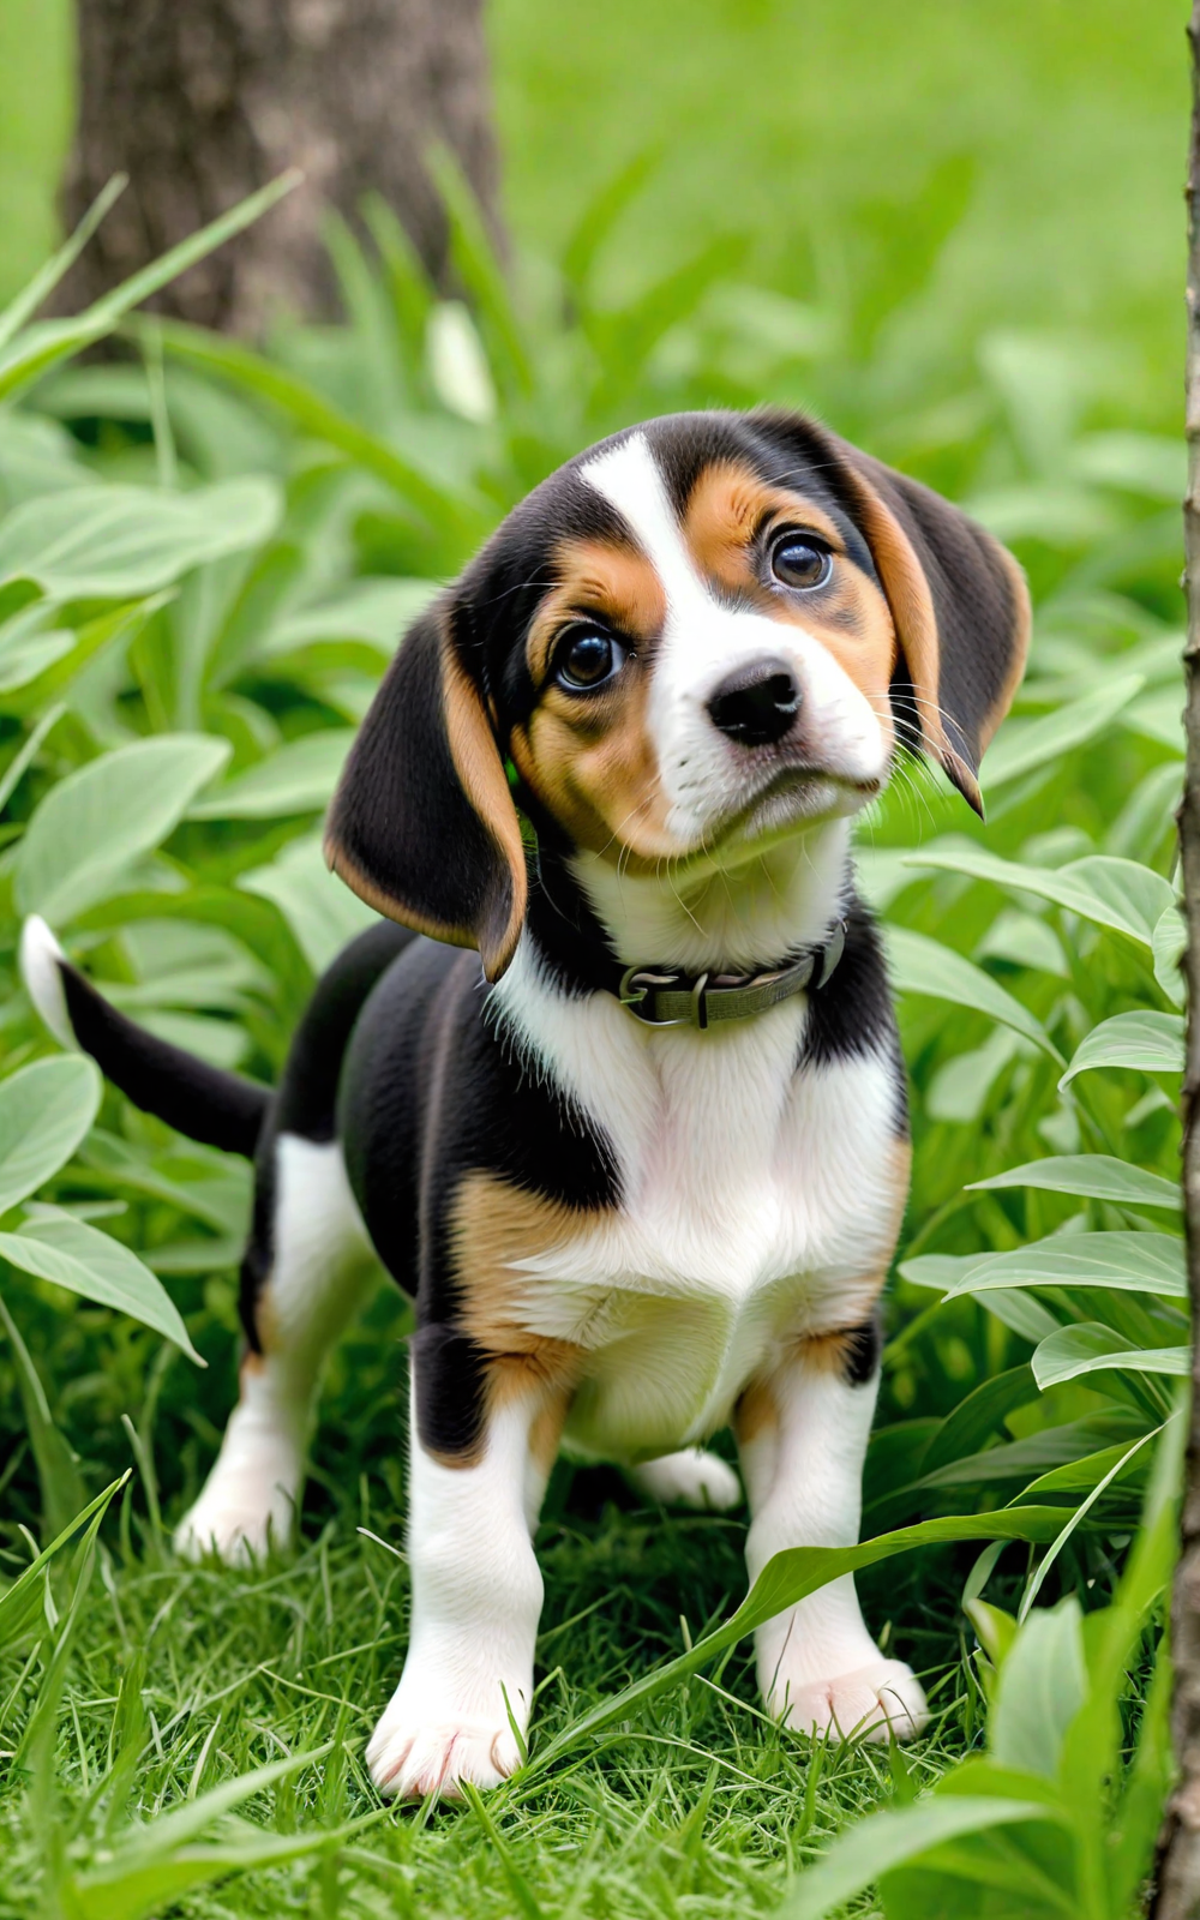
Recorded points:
(1091,1348)
(1129,1262)
(221,1201)
(920,965)
(117,625)
(1091,1176)
(1025,745)
(788,1577)
(890,1838)
(45,1111)
(1120,894)
(1024,940)
(299,778)
(92,1264)
(1152,464)
(114,542)
(320,909)
(92,827)
(1127,889)
(1082,1475)
(980,1415)
(1008,1465)
(1042,1686)
(1159,715)
(30,644)
(378,611)
(1038,1577)
(259,926)
(1170,942)
(263,379)
(994,1629)
(941,1271)
(1151,1042)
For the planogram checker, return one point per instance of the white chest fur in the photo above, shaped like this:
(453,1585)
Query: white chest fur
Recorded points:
(758,1204)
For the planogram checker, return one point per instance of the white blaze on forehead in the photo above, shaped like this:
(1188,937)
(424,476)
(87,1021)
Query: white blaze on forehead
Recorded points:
(703,639)
(631,480)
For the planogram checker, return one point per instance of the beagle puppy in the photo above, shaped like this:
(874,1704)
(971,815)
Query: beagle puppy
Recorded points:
(639,1154)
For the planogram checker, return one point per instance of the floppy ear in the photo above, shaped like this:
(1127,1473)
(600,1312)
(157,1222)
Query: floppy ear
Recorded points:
(960,606)
(422,825)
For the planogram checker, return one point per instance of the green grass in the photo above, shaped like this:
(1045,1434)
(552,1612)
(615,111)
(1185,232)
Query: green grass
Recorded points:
(701,1809)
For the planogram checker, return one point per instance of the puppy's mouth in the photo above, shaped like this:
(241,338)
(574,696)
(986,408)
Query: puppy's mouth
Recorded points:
(793,797)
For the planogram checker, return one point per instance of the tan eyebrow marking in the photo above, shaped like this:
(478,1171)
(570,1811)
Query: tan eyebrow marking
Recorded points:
(613,582)
(728,505)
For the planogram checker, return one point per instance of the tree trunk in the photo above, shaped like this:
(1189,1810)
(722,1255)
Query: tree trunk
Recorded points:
(202,101)
(1177,1895)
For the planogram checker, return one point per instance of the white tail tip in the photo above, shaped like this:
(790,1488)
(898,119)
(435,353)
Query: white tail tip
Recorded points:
(40,956)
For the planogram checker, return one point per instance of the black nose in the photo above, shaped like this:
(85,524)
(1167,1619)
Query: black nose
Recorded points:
(758,704)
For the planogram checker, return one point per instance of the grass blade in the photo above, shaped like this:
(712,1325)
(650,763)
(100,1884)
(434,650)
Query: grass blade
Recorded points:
(791,1576)
(30,298)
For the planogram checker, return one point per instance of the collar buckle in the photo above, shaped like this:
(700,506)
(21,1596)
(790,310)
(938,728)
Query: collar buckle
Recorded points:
(673,999)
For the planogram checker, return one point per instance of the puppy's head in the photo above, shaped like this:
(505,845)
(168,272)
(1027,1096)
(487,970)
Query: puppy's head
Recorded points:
(696,638)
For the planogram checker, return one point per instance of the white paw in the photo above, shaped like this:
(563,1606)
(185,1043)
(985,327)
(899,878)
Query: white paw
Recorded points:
(409,1758)
(690,1478)
(238,1532)
(872,1702)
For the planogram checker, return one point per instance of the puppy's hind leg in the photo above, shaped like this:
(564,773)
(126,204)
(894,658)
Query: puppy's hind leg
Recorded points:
(306,1270)
(689,1478)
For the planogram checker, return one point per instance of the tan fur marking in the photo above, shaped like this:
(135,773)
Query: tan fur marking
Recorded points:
(728,508)
(477,761)
(591,762)
(613,582)
(756,1412)
(494,1225)
(900,1172)
(912,607)
(827,1352)
(1016,673)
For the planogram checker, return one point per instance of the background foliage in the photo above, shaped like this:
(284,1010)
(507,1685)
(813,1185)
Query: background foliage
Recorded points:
(206,556)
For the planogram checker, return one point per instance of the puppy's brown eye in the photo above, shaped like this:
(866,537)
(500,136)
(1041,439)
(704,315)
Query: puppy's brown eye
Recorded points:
(799,560)
(587,658)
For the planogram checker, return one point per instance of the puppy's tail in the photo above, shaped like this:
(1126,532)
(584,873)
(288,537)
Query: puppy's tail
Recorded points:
(216,1108)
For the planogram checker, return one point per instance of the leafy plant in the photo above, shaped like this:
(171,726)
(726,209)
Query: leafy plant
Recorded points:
(1053,1819)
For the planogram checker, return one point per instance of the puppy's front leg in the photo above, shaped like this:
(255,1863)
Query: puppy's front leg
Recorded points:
(476,1587)
(803,1434)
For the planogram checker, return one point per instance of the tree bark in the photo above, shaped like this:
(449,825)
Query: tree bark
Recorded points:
(1177,1892)
(202,101)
